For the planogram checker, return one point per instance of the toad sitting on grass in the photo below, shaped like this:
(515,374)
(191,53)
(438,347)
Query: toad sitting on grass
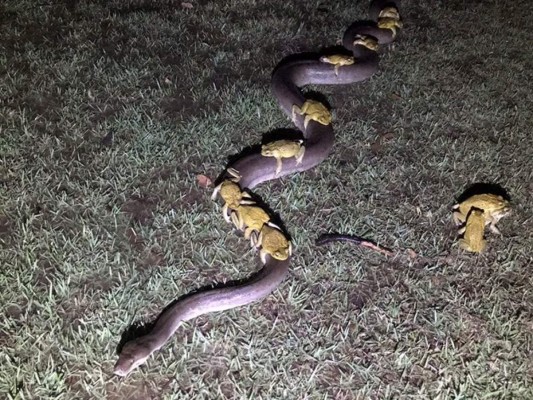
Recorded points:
(474,232)
(494,208)
(474,214)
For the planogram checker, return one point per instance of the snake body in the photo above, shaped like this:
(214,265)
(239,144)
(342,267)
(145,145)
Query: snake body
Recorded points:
(254,169)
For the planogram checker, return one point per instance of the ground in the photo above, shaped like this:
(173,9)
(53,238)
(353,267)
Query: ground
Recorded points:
(109,112)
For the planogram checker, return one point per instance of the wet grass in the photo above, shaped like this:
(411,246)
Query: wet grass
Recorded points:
(111,109)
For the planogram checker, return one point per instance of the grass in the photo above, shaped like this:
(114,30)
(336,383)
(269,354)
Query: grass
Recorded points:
(97,235)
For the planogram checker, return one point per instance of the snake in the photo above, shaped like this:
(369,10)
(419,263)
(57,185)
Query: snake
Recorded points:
(360,40)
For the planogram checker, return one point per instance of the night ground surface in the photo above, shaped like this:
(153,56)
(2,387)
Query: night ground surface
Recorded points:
(110,111)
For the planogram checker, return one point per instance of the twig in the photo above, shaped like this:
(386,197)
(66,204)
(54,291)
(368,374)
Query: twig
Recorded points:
(338,237)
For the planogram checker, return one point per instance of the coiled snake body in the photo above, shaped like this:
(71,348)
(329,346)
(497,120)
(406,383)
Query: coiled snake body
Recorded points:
(361,39)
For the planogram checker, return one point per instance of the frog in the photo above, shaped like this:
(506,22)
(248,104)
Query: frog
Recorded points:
(272,242)
(249,218)
(284,149)
(313,110)
(389,18)
(366,41)
(495,207)
(338,60)
(232,195)
(474,230)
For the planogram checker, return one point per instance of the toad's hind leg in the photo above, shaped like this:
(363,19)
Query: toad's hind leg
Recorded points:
(225,209)
(237,220)
(299,157)
(296,110)
(458,217)
(263,256)
(492,226)
(279,165)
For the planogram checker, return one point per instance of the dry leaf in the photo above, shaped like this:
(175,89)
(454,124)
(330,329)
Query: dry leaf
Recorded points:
(203,180)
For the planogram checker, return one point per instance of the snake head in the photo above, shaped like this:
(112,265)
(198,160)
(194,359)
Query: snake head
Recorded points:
(133,354)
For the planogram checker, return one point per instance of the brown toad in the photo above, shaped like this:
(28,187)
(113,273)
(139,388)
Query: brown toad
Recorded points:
(494,208)
(474,231)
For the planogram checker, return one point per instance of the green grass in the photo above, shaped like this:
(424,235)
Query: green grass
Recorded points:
(98,236)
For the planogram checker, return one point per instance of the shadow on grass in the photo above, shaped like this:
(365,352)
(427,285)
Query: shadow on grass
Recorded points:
(482,188)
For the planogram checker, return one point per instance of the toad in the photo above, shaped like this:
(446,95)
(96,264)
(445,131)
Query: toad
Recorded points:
(494,208)
(284,149)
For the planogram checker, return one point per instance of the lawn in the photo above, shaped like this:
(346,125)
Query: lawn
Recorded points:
(111,110)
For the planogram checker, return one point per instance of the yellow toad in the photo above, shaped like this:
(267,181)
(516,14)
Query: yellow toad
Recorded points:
(313,110)
(389,18)
(338,60)
(284,149)
(232,195)
(474,232)
(494,208)
(272,242)
(367,41)
(249,218)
